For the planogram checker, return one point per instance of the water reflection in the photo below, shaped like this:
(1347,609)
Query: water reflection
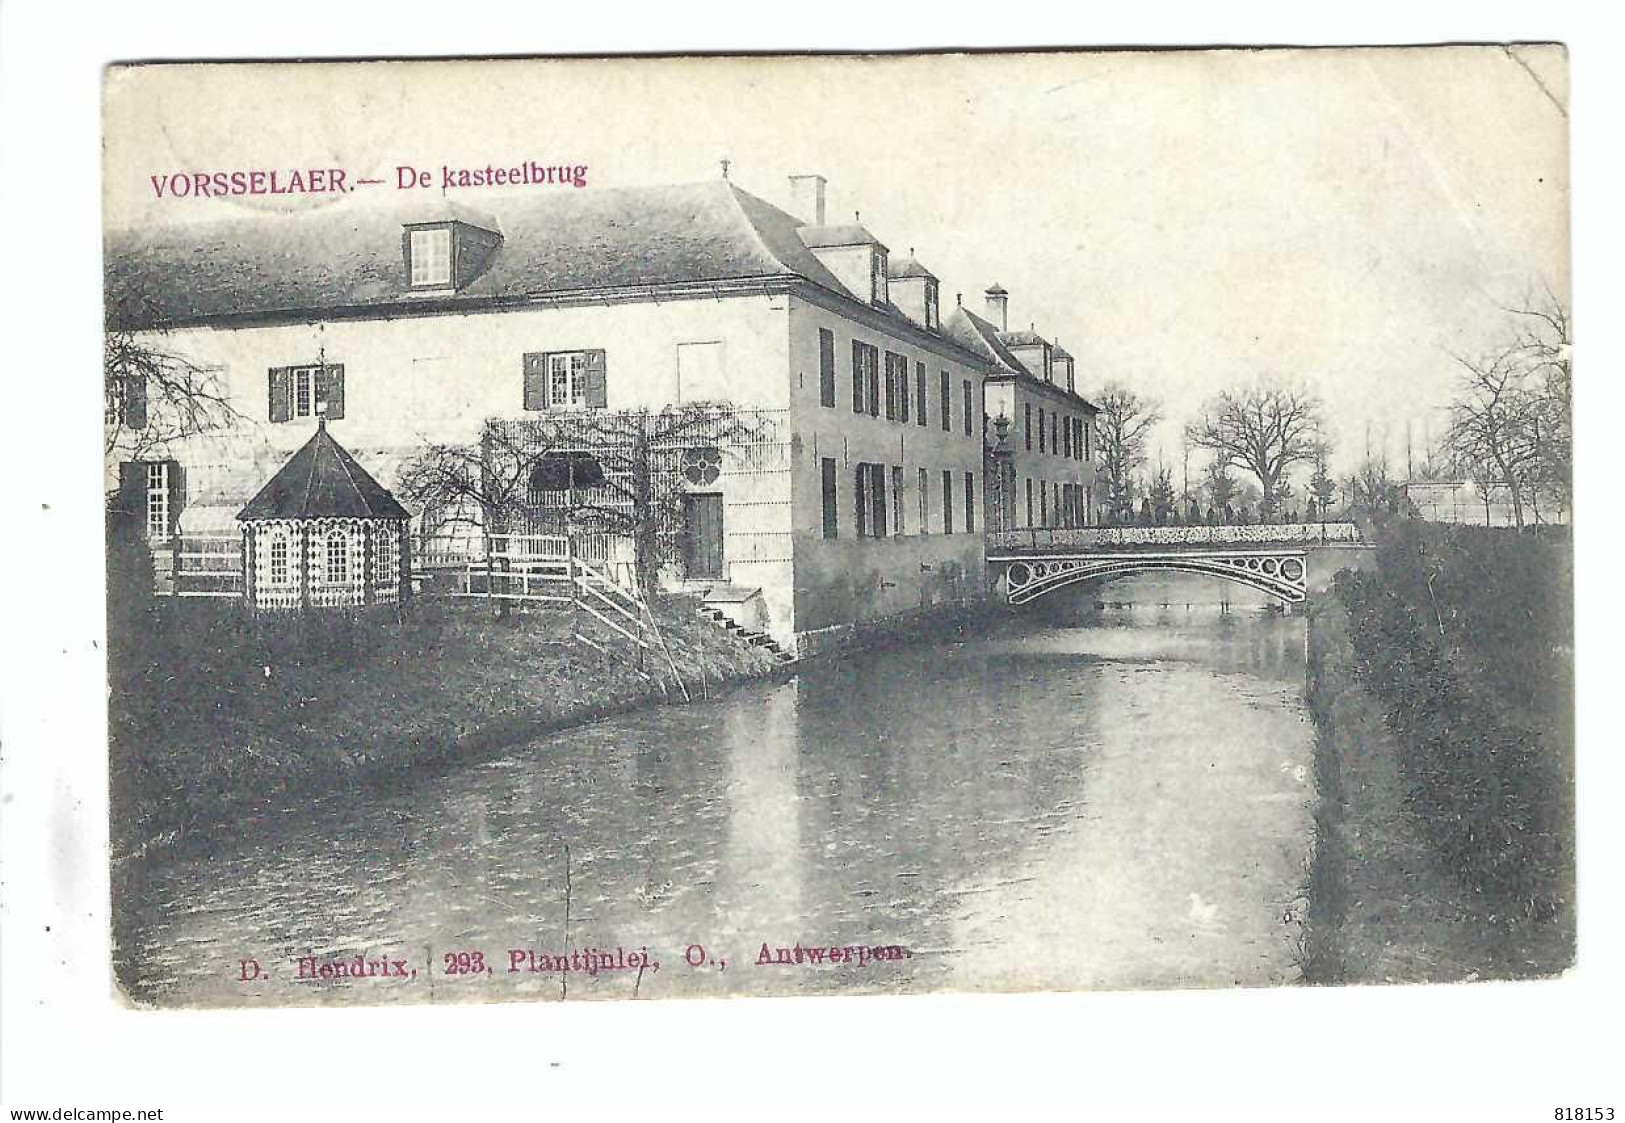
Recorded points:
(1049,795)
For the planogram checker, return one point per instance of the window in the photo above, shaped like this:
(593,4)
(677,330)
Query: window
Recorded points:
(827,483)
(919,394)
(307,391)
(947,502)
(1088,453)
(430,251)
(970,502)
(877,277)
(1054,433)
(279,560)
(1029,501)
(126,401)
(826,368)
(158,500)
(970,411)
(902,389)
(1027,427)
(931,314)
(1057,504)
(570,380)
(896,385)
(387,563)
(566,380)
(869,488)
(897,499)
(337,571)
(702,372)
(925,502)
(1041,429)
(865,378)
(1066,438)
(946,404)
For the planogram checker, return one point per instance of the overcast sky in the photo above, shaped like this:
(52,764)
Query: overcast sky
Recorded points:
(1182,222)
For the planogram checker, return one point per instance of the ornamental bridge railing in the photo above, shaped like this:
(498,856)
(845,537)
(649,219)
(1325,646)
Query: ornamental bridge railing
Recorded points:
(1272,557)
(1035,539)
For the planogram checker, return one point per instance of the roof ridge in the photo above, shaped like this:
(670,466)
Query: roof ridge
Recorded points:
(734,192)
(348,475)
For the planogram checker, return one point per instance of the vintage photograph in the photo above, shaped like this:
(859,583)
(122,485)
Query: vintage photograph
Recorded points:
(629,528)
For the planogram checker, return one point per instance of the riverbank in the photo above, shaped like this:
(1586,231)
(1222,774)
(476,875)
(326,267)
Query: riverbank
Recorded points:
(1444,840)
(209,715)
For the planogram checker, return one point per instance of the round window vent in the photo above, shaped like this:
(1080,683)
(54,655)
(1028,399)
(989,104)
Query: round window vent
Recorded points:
(703,465)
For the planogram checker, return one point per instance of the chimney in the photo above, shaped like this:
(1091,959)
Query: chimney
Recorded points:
(998,306)
(808,193)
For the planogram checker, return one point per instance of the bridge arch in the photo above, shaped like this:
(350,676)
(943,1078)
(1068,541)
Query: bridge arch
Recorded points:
(1279,573)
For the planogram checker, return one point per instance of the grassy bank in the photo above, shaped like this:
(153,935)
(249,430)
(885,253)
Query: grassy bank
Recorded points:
(1441,690)
(210,713)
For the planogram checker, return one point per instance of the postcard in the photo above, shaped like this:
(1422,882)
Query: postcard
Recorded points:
(629,528)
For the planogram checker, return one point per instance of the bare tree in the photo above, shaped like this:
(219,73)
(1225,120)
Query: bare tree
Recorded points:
(1121,429)
(1322,487)
(1494,420)
(482,487)
(1221,488)
(1263,430)
(643,455)
(1544,344)
(154,395)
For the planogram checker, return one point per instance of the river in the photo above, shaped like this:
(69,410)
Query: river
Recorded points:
(1081,798)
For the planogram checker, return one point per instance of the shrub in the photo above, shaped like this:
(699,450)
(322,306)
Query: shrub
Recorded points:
(1464,637)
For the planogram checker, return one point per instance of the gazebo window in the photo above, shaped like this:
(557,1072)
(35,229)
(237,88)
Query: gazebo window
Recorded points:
(338,558)
(279,560)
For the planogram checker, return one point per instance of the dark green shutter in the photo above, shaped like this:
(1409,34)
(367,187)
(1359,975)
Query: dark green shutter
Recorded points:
(135,401)
(597,381)
(335,391)
(175,477)
(131,500)
(857,377)
(281,394)
(535,380)
(826,367)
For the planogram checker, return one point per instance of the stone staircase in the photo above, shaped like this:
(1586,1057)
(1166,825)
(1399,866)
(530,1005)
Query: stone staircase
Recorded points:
(767,643)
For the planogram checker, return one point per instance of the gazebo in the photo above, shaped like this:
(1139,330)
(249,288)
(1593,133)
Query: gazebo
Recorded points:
(324,534)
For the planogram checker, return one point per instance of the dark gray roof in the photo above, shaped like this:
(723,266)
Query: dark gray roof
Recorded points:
(995,289)
(822,237)
(322,480)
(907,267)
(1022,339)
(1059,352)
(349,257)
(977,335)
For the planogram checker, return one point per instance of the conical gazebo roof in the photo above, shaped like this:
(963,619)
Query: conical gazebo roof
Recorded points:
(323,481)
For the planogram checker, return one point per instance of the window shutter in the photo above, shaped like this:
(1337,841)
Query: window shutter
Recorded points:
(919,394)
(826,367)
(860,494)
(135,401)
(857,377)
(174,477)
(597,393)
(535,380)
(131,501)
(281,393)
(335,392)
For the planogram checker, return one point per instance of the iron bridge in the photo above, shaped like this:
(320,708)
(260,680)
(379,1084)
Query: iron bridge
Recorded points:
(1271,558)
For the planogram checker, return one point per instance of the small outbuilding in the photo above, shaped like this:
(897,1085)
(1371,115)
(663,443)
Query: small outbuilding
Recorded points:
(324,534)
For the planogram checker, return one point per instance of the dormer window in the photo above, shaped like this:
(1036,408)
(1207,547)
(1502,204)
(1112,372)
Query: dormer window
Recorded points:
(430,252)
(933,318)
(877,274)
